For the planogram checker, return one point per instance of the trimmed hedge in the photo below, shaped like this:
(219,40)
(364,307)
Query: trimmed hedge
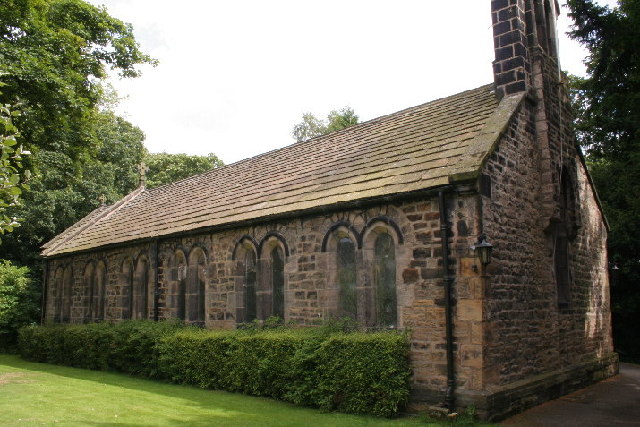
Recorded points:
(365,373)
(130,347)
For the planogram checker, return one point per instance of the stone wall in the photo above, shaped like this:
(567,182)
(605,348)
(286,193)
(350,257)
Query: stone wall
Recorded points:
(528,334)
(311,293)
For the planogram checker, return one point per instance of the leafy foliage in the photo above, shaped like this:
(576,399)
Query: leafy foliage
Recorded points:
(348,372)
(12,175)
(166,168)
(607,104)
(65,193)
(19,302)
(310,127)
(55,54)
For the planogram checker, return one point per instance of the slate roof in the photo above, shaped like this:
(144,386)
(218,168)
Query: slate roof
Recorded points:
(418,148)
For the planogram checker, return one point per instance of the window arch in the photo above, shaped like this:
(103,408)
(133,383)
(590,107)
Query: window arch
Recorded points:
(140,300)
(341,242)
(246,280)
(67,294)
(271,298)
(195,286)
(126,288)
(380,240)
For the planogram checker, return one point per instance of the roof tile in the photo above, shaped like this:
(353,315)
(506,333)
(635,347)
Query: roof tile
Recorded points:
(413,149)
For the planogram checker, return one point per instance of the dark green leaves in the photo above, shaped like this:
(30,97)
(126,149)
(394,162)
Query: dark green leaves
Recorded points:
(607,106)
(11,170)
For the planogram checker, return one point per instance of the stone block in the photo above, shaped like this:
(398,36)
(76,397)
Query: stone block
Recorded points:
(466,266)
(469,310)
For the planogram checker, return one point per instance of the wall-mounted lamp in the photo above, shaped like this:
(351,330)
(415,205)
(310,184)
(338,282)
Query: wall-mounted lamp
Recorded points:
(483,249)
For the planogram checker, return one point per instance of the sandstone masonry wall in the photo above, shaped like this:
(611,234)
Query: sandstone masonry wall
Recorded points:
(527,333)
(311,293)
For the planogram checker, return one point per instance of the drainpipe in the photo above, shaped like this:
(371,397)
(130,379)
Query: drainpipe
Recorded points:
(156,284)
(444,238)
(45,276)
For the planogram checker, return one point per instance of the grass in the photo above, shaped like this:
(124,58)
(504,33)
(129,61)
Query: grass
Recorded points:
(42,394)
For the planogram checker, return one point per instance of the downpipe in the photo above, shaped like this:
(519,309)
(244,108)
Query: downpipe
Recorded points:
(448,280)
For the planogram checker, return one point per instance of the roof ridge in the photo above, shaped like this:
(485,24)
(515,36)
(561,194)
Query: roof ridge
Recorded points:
(318,138)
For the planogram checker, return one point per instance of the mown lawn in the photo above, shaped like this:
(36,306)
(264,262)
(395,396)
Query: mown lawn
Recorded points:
(42,394)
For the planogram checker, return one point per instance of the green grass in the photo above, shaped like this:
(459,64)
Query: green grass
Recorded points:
(42,394)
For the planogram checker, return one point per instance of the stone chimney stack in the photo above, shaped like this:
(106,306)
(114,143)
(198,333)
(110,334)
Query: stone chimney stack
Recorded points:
(524,33)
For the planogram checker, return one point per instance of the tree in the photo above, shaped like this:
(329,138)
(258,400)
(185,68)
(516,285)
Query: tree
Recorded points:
(607,103)
(55,54)
(19,302)
(310,127)
(12,176)
(165,168)
(64,194)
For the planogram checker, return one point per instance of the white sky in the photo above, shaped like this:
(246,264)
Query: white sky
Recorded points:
(235,76)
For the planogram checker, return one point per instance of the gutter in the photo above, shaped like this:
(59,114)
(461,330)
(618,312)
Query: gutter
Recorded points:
(448,280)
(320,210)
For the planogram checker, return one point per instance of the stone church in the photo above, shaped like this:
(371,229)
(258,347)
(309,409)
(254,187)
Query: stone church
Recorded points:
(389,222)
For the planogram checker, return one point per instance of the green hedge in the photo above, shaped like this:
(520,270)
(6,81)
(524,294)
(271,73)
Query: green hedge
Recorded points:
(365,373)
(130,347)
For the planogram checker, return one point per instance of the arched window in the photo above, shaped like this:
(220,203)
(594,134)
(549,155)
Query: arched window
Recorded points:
(126,288)
(55,295)
(99,292)
(384,281)
(67,294)
(250,283)
(89,286)
(563,233)
(346,278)
(195,287)
(340,243)
(277,280)
(177,284)
(139,304)
(270,292)
(380,237)
(246,267)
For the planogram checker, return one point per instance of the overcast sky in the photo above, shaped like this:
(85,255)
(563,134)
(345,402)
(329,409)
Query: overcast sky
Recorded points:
(235,76)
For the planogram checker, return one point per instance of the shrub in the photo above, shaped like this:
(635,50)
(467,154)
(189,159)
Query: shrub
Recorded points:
(352,372)
(363,373)
(129,347)
(19,302)
(348,372)
(135,347)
